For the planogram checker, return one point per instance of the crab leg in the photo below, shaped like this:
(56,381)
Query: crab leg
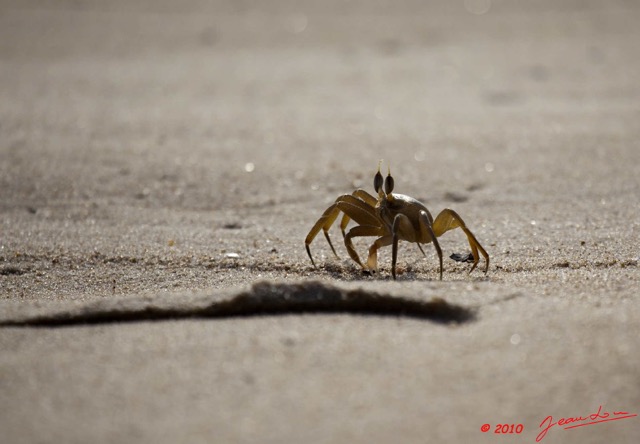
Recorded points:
(401,226)
(372,261)
(359,231)
(363,195)
(357,210)
(425,223)
(449,220)
(324,223)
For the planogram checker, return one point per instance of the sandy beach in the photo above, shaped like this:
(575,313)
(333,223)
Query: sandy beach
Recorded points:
(162,162)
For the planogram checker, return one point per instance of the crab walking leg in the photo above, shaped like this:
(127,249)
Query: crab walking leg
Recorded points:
(401,224)
(364,196)
(325,221)
(430,236)
(357,210)
(449,220)
(372,261)
(359,231)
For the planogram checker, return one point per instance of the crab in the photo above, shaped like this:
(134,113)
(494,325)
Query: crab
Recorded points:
(391,217)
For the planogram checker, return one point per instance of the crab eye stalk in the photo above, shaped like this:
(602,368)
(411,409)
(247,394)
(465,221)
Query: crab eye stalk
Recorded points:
(377,181)
(388,184)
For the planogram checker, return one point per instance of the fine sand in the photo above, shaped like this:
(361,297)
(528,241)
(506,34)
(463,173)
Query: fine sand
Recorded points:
(162,162)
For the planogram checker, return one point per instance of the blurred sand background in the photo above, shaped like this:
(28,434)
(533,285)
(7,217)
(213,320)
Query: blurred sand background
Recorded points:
(158,152)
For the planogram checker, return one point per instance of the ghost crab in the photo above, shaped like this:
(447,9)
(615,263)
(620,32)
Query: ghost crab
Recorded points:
(390,217)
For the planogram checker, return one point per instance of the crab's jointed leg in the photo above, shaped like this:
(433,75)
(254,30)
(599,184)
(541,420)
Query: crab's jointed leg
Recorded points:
(324,223)
(401,224)
(364,196)
(355,208)
(425,222)
(449,220)
(372,261)
(359,231)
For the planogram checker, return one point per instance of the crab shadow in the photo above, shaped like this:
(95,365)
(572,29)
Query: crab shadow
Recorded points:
(262,298)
